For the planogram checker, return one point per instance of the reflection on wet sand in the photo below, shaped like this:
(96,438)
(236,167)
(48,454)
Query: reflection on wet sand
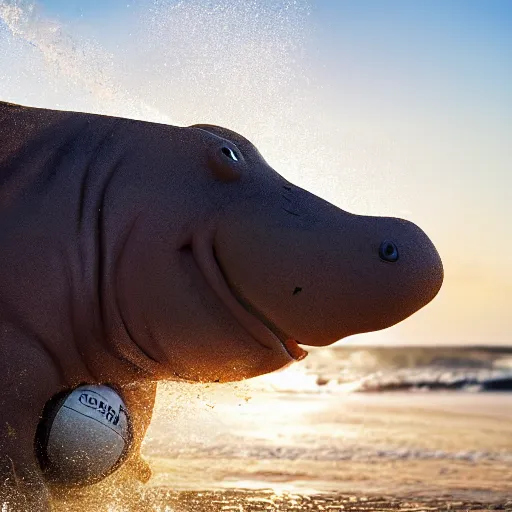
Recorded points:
(266,500)
(436,451)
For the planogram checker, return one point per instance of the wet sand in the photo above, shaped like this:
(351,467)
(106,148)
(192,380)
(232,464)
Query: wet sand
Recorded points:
(251,501)
(266,500)
(305,453)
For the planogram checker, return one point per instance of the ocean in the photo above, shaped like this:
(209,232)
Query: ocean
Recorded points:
(388,368)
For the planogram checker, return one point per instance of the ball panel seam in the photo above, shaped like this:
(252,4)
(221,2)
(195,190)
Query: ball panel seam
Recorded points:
(98,421)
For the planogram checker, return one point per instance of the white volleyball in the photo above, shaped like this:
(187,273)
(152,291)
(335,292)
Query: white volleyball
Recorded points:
(84,435)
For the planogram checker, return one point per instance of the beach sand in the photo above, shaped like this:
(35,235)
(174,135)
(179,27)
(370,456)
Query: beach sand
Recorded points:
(408,451)
(266,500)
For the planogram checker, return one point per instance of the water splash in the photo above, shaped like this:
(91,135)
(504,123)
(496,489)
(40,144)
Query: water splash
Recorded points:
(222,59)
(248,65)
(180,63)
(80,63)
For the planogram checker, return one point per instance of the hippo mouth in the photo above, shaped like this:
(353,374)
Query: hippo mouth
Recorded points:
(254,323)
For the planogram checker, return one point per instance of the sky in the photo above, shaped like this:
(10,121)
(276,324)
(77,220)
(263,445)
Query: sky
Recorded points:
(383,107)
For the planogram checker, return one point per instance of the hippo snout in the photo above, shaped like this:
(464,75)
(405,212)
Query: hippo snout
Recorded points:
(324,274)
(411,272)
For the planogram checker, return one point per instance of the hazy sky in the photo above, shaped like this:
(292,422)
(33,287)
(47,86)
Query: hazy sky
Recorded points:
(399,108)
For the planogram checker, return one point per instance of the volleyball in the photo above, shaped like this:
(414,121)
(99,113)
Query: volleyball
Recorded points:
(84,435)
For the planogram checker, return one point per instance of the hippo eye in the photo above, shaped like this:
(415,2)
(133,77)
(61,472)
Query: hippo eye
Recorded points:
(388,251)
(230,153)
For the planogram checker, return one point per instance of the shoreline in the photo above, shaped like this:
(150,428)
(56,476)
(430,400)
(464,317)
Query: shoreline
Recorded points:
(461,480)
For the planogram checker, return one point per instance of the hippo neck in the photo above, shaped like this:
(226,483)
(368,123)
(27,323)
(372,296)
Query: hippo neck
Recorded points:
(104,223)
(55,171)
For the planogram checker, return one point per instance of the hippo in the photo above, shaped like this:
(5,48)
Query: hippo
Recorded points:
(135,252)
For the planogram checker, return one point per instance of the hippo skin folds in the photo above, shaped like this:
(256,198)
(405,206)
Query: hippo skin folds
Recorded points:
(132,252)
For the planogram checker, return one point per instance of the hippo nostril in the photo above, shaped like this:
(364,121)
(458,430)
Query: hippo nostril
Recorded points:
(230,153)
(388,251)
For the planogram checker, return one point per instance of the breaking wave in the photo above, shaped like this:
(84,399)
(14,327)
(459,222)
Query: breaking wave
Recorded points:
(379,369)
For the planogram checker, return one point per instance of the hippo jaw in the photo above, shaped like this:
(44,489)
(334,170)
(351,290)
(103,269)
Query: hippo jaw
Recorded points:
(204,254)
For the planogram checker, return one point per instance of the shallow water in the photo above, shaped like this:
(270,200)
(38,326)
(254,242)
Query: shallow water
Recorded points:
(415,442)
(232,448)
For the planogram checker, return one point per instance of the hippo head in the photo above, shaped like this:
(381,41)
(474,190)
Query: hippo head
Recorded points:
(227,267)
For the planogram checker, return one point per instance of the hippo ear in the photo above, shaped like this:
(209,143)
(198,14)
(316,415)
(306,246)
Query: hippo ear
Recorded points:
(224,133)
